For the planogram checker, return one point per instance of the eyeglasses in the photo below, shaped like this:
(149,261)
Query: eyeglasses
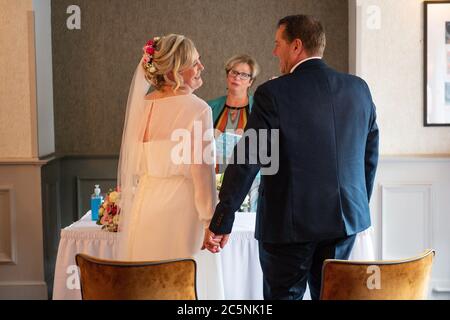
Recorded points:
(240,75)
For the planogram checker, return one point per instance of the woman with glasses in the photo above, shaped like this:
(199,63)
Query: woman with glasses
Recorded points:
(230,112)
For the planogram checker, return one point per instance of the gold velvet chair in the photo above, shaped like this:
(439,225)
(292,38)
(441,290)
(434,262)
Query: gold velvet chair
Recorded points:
(119,280)
(377,280)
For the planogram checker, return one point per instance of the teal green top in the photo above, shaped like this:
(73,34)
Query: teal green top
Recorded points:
(218,104)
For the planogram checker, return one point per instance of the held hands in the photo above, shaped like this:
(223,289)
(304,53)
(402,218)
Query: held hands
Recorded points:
(214,242)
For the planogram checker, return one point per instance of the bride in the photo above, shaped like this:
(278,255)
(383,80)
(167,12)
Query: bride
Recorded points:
(165,205)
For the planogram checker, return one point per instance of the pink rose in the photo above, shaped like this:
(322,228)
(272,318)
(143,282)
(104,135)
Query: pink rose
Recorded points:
(149,43)
(150,50)
(105,219)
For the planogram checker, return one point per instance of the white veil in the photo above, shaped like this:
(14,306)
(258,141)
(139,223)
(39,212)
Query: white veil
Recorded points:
(129,168)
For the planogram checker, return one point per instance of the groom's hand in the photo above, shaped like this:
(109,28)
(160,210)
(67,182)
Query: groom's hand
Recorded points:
(210,241)
(224,240)
(214,242)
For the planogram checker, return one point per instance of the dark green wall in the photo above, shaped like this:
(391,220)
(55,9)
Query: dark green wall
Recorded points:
(93,67)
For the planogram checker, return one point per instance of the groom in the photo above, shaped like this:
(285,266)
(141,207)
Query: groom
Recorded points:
(314,206)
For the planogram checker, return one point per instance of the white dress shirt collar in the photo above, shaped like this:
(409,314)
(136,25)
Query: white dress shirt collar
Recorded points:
(310,58)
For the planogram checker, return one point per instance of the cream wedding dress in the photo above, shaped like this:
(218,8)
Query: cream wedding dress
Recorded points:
(174,202)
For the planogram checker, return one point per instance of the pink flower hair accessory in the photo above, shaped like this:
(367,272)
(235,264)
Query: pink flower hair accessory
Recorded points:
(149,51)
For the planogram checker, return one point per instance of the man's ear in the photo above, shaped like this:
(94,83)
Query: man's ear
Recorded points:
(298,46)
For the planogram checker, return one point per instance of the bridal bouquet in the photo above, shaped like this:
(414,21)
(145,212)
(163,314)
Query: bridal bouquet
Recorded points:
(109,212)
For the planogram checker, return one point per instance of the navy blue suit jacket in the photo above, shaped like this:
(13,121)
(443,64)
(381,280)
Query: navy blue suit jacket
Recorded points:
(328,154)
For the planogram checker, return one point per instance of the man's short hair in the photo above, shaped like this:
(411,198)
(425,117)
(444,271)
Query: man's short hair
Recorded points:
(306,28)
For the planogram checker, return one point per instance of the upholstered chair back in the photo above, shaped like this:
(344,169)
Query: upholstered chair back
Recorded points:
(120,280)
(377,280)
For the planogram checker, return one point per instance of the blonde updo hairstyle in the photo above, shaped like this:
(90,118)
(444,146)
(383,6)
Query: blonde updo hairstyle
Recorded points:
(173,54)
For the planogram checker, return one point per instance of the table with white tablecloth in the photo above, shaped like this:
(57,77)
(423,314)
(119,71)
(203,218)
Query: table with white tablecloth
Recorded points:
(234,273)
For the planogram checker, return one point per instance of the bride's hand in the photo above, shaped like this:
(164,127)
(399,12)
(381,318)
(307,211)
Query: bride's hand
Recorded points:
(214,242)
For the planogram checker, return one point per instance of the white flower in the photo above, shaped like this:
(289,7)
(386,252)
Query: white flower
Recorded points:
(152,69)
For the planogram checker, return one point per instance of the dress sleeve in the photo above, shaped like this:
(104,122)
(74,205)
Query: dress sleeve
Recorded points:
(203,166)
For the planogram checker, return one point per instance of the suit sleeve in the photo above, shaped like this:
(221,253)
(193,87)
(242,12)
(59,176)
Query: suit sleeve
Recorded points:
(239,174)
(371,153)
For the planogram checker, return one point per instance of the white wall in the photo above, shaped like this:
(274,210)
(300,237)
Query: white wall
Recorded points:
(389,56)
(410,206)
(44,77)
(410,209)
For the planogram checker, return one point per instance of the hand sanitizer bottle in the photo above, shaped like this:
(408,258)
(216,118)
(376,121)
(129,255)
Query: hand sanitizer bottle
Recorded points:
(96,202)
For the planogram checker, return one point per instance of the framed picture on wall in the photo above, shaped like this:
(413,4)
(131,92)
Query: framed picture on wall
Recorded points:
(437,63)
